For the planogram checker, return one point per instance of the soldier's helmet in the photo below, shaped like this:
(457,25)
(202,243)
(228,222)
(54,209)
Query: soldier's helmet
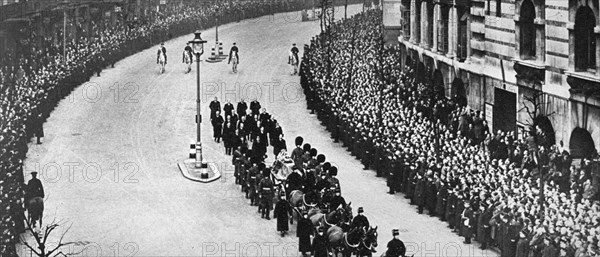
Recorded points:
(313,152)
(299,140)
(333,171)
(306,147)
(321,158)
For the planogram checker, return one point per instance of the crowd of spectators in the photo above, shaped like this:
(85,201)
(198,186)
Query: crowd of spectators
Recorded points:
(35,77)
(524,196)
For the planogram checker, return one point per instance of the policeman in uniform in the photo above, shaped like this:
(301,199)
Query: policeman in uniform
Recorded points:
(395,247)
(34,188)
(360,221)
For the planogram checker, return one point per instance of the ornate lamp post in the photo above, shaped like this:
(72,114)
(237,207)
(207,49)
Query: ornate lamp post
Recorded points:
(196,168)
(198,48)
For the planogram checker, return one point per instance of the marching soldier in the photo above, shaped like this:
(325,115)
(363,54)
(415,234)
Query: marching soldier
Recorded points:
(333,180)
(266,186)
(297,153)
(251,181)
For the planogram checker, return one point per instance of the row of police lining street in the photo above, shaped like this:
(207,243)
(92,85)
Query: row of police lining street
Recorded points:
(34,80)
(442,155)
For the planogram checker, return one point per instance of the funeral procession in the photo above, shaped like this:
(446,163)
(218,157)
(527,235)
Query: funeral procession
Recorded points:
(275,128)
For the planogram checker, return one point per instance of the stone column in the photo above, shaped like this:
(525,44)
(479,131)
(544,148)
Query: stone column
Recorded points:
(452,31)
(469,51)
(436,26)
(413,23)
(424,24)
(597,34)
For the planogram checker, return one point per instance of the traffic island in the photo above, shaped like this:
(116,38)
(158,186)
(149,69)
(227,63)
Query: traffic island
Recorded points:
(209,172)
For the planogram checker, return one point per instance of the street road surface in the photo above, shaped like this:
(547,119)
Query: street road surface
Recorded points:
(109,159)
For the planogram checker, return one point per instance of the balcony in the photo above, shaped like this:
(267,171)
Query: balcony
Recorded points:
(530,73)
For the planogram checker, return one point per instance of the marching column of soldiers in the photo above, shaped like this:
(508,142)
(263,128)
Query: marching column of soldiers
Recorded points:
(442,155)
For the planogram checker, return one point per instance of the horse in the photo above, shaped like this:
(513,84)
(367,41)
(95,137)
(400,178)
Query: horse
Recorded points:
(369,242)
(235,61)
(321,219)
(188,60)
(293,60)
(35,210)
(344,242)
(297,200)
(162,61)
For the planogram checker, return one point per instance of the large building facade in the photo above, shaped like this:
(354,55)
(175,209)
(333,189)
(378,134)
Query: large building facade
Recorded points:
(496,54)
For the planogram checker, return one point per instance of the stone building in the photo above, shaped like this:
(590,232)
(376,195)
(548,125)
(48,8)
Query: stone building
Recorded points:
(497,53)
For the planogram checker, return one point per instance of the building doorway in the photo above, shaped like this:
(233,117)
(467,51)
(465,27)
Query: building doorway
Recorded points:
(505,110)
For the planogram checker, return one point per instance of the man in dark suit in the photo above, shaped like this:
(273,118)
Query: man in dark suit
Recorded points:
(241,108)
(228,108)
(255,107)
(214,106)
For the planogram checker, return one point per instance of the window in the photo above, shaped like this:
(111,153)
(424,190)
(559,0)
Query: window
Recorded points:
(498,8)
(463,14)
(442,32)
(585,39)
(527,33)
(417,21)
(406,23)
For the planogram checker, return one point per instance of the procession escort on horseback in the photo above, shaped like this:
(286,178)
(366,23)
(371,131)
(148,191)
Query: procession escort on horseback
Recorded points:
(161,57)
(188,57)
(234,57)
(293,59)
(34,200)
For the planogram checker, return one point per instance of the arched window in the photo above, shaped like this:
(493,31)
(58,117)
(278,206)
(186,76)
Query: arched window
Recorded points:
(585,39)
(528,34)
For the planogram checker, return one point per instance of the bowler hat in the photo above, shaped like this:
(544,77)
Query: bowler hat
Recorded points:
(360,210)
